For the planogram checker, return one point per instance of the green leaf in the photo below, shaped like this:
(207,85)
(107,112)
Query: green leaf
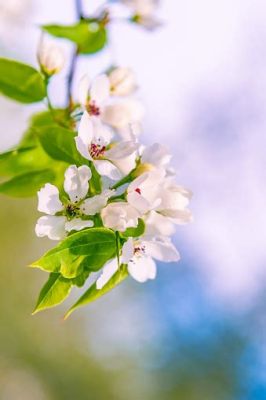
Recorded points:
(135,232)
(90,37)
(59,144)
(22,160)
(87,250)
(54,292)
(26,185)
(93,293)
(21,82)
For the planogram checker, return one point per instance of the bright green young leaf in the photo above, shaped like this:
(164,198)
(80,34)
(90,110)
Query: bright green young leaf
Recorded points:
(135,232)
(87,250)
(21,82)
(26,185)
(93,293)
(90,37)
(59,144)
(54,292)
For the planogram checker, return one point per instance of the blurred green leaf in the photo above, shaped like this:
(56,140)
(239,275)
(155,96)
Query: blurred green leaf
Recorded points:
(22,160)
(54,292)
(87,250)
(135,232)
(90,37)
(93,293)
(27,184)
(21,82)
(59,144)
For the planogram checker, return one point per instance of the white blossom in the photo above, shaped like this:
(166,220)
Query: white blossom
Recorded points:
(139,255)
(119,216)
(144,12)
(95,98)
(156,155)
(171,211)
(122,81)
(145,191)
(66,217)
(92,143)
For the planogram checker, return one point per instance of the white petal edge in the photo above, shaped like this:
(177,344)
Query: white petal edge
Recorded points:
(48,200)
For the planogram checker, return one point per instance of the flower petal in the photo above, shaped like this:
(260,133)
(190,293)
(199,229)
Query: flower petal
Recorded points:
(48,200)
(162,250)
(108,271)
(127,251)
(85,136)
(77,224)
(123,113)
(158,225)
(139,202)
(157,155)
(122,81)
(51,226)
(106,168)
(76,183)
(123,155)
(100,89)
(119,216)
(142,269)
(94,204)
(83,90)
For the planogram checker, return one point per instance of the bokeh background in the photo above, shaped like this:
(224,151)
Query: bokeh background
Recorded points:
(199,331)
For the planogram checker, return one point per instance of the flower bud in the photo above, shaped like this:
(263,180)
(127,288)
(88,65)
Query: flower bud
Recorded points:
(50,58)
(122,81)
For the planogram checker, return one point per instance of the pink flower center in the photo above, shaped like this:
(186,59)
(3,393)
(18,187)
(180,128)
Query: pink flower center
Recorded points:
(93,109)
(97,151)
(138,190)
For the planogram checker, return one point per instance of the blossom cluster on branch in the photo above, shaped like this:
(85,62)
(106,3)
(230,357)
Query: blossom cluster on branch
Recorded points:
(111,202)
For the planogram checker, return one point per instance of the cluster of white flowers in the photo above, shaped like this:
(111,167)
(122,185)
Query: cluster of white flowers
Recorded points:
(137,181)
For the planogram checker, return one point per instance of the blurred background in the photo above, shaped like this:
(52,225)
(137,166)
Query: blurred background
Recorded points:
(199,331)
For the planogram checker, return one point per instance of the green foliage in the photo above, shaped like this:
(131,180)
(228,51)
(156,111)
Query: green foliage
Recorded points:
(55,290)
(27,184)
(135,232)
(23,160)
(21,82)
(87,250)
(93,293)
(90,37)
(59,144)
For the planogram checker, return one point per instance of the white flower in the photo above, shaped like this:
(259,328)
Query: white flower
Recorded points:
(95,99)
(119,216)
(121,114)
(144,12)
(174,202)
(145,191)
(122,81)
(142,7)
(171,211)
(76,185)
(92,141)
(156,155)
(138,255)
(92,96)
(50,57)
